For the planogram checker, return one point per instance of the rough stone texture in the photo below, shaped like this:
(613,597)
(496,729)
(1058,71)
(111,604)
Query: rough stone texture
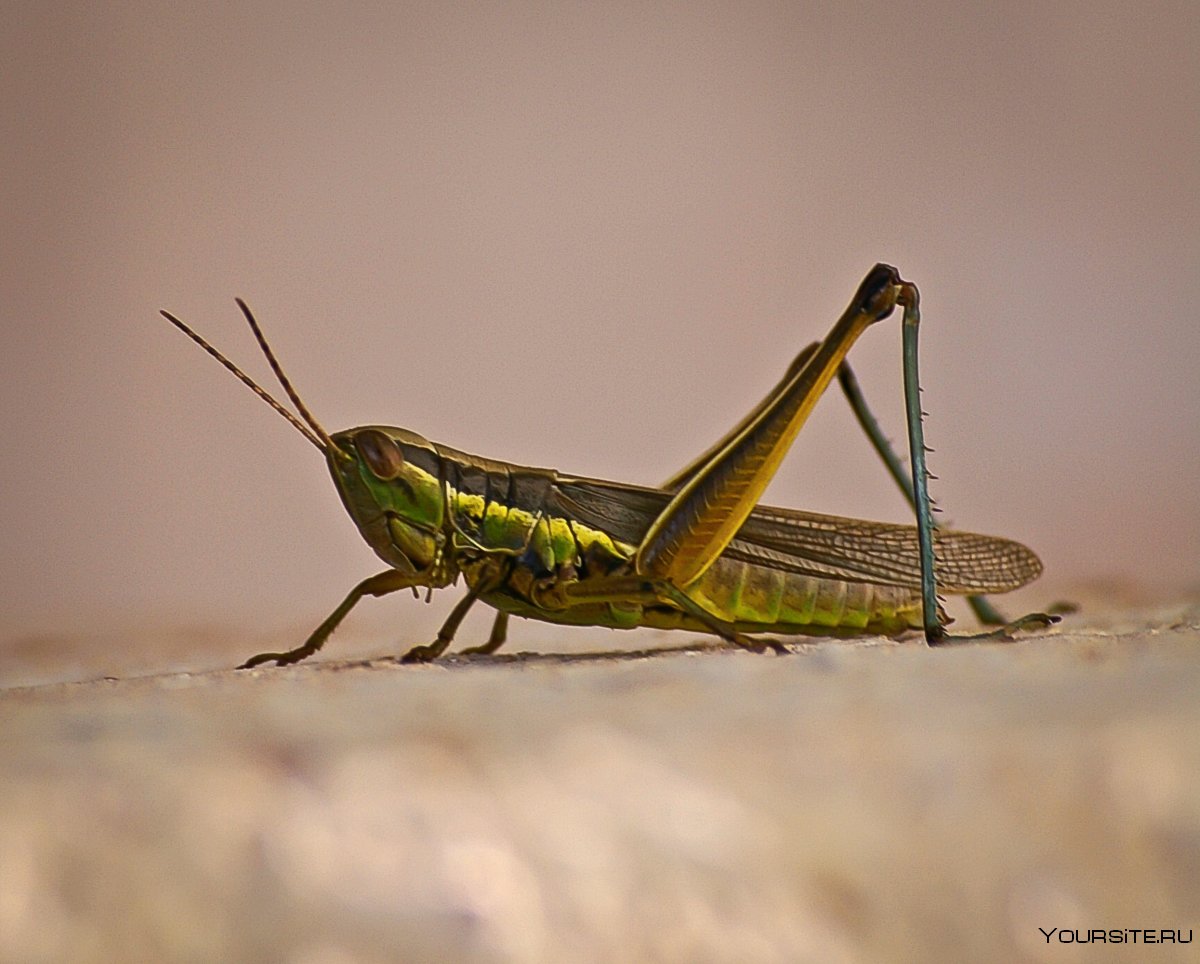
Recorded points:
(848,802)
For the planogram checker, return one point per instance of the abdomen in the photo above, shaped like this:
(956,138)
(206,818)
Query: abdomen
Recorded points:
(757,598)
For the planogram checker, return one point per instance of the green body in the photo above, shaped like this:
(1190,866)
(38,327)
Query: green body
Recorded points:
(447,513)
(698,553)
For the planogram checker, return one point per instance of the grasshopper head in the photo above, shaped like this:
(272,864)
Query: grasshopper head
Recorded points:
(388,480)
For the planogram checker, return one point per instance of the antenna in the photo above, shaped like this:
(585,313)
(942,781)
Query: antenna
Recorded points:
(312,431)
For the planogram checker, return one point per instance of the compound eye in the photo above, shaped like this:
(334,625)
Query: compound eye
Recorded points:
(380,452)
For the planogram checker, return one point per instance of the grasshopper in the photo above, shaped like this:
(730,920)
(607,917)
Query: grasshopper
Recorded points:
(696,553)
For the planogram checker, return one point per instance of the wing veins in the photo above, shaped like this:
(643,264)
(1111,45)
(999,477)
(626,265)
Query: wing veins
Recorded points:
(813,544)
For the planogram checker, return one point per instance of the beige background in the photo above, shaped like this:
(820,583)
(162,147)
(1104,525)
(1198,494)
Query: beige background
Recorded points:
(586,236)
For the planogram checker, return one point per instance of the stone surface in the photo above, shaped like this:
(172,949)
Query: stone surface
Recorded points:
(857,801)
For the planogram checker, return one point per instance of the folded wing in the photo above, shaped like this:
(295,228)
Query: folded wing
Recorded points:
(812,544)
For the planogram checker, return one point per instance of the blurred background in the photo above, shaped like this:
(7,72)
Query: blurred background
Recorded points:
(582,236)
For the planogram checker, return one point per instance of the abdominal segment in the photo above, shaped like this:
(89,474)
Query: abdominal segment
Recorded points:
(747,594)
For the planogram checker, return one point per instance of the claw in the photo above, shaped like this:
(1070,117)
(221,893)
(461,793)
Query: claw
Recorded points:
(279,659)
(757,645)
(482,650)
(425,654)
